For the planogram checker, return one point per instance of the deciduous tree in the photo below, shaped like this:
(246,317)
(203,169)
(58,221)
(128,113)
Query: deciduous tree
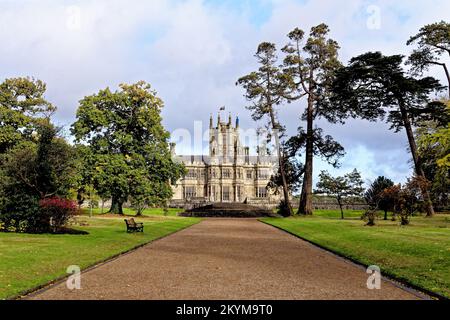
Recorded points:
(126,136)
(34,171)
(433,141)
(22,101)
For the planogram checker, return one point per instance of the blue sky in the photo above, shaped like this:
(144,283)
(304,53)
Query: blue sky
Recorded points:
(193,51)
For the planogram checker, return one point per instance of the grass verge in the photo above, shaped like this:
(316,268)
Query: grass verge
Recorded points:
(30,261)
(418,254)
(171,212)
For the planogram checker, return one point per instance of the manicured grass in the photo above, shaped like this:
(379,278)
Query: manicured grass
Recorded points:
(172,212)
(418,254)
(28,261)
(336,214)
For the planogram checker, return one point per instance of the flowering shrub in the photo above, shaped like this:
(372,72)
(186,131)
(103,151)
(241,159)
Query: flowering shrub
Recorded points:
(55,212)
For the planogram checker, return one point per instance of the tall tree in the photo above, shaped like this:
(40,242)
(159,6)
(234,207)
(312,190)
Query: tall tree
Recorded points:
(349,185)
(311,65)
(433,141)
(124,131)
(433,41)
(43,167)
(267,88)
(374,195)
(22,101)
(374,87)
(32,171)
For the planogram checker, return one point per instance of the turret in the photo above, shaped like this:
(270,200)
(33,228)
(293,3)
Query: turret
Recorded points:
(211,121)
(237,123)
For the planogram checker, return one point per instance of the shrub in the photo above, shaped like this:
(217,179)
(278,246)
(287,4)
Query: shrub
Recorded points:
(55,212)
(19,213)
(282,209)
(370,216)
(407,199)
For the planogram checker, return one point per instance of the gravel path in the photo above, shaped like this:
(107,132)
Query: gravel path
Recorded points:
(226,259)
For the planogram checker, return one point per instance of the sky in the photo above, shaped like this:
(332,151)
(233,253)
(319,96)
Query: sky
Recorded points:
(193,51)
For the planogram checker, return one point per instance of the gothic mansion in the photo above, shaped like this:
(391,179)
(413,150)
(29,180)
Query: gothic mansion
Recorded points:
(229,174)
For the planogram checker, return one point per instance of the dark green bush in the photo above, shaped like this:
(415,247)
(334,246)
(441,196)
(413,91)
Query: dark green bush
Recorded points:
(282,209)
(20,213)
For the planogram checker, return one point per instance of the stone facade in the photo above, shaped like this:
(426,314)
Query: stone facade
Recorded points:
(229,174)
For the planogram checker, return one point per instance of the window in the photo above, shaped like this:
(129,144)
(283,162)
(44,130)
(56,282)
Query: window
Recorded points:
(192,174)
(263,174)
(261,192)
(190,192)
(224,143)
(214,193)
(249,174)
(226,174)
(226,193)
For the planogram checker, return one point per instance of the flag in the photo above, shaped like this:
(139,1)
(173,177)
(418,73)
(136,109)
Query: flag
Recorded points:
(222,109)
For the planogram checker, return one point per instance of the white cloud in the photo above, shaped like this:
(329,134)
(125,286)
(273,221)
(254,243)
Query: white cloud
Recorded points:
(193,51)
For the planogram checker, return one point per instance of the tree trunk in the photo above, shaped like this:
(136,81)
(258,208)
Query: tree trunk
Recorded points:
(340,206)
(305,206)
(417,163)
(447,73)
(139,212)
(116,206)
(385,215)
(281,163)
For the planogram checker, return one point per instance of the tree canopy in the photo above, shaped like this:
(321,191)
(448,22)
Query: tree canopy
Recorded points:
(22,102)
(433,42)
(310,64)
(374,195)
(267,88)
(340,187)
(129,144)
(375,87)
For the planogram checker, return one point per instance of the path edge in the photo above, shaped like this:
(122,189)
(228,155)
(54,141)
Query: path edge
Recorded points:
(393,279)
(50,284)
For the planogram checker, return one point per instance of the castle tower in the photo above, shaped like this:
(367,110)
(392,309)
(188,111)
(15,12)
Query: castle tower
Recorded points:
(229,174)
(224,142)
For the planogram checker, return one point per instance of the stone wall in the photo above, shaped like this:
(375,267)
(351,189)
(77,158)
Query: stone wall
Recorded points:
(318,204)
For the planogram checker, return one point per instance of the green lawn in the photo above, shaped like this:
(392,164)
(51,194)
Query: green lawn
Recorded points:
(28,261)
(172,212)
(418,254)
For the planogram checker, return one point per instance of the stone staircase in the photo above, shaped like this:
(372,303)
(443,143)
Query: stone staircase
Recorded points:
(228,210)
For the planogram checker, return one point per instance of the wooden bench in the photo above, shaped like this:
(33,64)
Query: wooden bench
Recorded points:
(133,226)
